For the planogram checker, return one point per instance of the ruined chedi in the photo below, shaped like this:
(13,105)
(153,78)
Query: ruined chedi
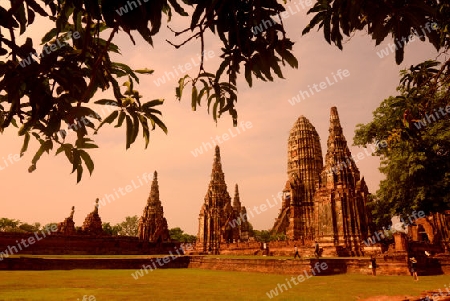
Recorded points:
(296,218)
(93,224)
(323,203)
(342,217)
(67,227)
(152,224)
(217,214)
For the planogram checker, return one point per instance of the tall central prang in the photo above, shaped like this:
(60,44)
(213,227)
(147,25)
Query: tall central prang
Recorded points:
(304,165)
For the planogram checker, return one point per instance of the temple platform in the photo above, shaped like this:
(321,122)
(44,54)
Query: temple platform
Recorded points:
(321,266)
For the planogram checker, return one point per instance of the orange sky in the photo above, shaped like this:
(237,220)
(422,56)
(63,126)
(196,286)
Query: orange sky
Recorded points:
(254,158)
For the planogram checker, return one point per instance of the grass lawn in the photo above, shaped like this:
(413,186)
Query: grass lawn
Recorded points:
(196,284)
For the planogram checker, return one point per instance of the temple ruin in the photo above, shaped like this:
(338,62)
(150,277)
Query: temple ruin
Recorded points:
(153,225)
(220,221)
(67,227)
(327,202)
(93,223)
(304,165)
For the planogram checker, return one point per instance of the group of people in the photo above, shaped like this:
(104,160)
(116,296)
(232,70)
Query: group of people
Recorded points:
(373,261)
(316,251)
(412,266)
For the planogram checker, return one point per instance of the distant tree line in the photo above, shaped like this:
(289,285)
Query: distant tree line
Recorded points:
(129,227)
(15,225)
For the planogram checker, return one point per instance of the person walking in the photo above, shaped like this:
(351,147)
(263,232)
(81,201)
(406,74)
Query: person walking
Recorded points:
(373,264)
(296,253)
(414,268)
(317,249)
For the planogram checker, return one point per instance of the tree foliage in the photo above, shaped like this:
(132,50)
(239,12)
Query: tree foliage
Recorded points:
(400,18)
(13,225)
(45,97)
(417,160)
(178,235)
(267,236)
(129,227)
(111,230)
(9,225)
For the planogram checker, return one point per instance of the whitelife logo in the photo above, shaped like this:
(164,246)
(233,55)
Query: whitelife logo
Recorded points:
(11,160)
(411,38)
(423,122)
(183,68)
(11,250)
(243,125)
(108,198)
(318,266)
(47,49)
(340,75)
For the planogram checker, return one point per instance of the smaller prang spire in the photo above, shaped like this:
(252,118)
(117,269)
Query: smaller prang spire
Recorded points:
(335,123)
(154,191)
(338,159)
(96,206)
(236,199)
(217,175)
(72,212)
(217,165)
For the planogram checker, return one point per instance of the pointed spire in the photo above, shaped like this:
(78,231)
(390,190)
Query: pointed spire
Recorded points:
(338,159)
(217,154)
(96,206)
(217,186)
(217,173)
(236,199)
(72,212)
(217,165)
(335,123)
(154,191)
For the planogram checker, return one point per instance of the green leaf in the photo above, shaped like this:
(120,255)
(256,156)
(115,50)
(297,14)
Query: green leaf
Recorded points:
(26,140)
(248,74)
(144,71)
(152,103)
(181,85)
(79,173)
(161,124)
(135,127)
(145,129)
(64,147)
(49,35)
(76,160)
(194,98)
(108,119)
(178,8)
(121,119)
(87,160)
(107,102)
(45,147)
(20,16)
(129,131)
(125,68)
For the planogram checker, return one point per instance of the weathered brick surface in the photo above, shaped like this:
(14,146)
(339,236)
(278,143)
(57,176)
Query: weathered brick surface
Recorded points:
(275,266)
(83,245)
(106,263)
